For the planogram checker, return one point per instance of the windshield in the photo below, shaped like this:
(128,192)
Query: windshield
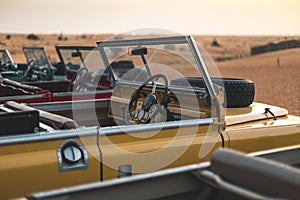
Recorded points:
(166,81)
(179,59)
(172,60)
(38,55)
(175,57)
(74,57)
(5,57)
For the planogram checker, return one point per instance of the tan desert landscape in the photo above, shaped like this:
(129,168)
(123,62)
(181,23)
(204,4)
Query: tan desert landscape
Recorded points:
(275,83)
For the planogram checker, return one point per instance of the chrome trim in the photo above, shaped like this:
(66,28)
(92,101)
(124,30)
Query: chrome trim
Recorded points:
(143,41)
(62,94)
(10,58)
(21,97)
(48,136)
(201,65)
(128,129)
(105,131)
(69,105)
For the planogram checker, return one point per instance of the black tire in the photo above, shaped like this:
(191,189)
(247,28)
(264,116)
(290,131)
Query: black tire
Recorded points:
(238,92)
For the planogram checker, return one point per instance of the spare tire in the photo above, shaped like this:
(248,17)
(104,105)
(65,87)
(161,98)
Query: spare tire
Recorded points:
(238,92)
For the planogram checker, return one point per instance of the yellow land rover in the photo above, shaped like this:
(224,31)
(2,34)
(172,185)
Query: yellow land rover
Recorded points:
(170,107)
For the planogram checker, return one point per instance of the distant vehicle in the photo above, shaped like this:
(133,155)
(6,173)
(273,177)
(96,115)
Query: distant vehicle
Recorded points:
(167,109)
(45,83)
(6,61)
(38,67)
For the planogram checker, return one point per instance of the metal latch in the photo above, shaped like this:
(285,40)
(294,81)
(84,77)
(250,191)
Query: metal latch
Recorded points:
(71,155)
(124,171)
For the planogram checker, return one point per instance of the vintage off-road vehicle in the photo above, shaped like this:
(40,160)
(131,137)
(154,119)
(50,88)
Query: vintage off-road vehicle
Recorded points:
(228,175)
(37,68)
(39,81)
(6,61)
(169,108)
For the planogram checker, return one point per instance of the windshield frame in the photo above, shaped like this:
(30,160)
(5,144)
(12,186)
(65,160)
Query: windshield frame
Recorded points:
(216,96)
(59,50)
(25,48)
(160,41)
(6,52)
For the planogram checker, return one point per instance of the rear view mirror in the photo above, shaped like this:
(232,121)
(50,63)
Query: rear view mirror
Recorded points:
(137,51)
(76,54)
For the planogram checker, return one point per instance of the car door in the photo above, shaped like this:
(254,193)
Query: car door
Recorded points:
(135,149)
(43,161)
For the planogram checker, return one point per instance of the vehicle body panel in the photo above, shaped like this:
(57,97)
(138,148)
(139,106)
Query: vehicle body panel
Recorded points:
(33,165)
(257,179)
(148,151)
(265,134)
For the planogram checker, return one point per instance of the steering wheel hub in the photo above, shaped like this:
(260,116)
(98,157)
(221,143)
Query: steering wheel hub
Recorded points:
(150,108)
(148,102)
(140,115)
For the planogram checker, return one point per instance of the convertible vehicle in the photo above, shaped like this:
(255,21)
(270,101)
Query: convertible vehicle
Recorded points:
(229,175)
(6,61)
(37,68)
(169,108)
(41,82)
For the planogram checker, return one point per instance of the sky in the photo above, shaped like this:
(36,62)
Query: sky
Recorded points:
(239,17)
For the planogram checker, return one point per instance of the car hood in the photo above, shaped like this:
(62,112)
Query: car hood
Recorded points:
(256,111)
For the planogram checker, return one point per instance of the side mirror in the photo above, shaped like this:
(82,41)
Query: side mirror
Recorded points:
(137,51)
(76,54)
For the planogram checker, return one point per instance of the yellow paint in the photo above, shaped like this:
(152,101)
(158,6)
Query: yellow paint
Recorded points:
(255,111)
(165,149)
(265,134)
(33,167)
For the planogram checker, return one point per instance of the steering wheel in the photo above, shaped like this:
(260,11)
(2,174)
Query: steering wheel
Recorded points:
(29,71)
(43,74)
(33,73)
(80,79)
(6,66)
(150,107)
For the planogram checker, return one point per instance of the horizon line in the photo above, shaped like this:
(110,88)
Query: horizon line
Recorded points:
(124,33)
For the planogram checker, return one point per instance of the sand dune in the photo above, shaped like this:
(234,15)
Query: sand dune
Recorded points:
(278,85)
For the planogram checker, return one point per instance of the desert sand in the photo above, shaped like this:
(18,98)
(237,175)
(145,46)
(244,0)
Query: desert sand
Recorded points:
(277,85)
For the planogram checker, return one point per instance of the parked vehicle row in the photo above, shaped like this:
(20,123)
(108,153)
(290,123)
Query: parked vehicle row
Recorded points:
(166,106)
(40,81)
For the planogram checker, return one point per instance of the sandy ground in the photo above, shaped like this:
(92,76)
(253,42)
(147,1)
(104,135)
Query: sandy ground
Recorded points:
(277,85)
